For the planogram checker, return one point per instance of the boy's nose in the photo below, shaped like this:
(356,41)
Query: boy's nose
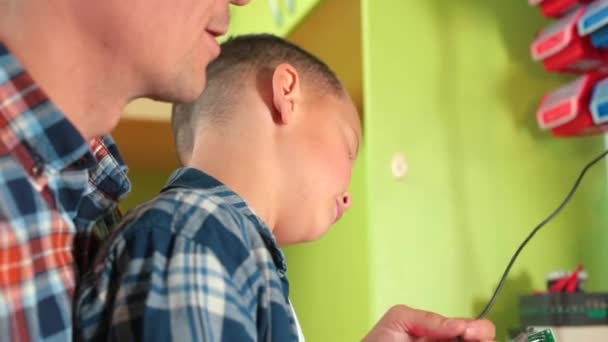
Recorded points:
(346,200)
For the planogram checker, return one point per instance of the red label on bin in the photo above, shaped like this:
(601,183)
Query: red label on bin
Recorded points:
(550,46)
(562,113)
(557,36)
(561,106)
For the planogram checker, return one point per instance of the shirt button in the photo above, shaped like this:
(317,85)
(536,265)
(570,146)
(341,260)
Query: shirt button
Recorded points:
(37,170)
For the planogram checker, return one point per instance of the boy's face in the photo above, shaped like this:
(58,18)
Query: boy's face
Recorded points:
(162,47)
(322,154)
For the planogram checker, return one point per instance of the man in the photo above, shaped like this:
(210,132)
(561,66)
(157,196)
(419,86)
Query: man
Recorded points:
(67,69)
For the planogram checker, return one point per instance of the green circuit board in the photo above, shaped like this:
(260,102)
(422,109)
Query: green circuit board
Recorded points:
(545,335)
(542,336)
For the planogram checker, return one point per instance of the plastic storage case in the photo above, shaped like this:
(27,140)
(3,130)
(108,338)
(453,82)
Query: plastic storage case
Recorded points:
(562,49)
(594,23)
(564,309)
(556,8)
(566,111)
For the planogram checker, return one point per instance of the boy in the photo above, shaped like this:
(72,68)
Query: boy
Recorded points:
(269,148)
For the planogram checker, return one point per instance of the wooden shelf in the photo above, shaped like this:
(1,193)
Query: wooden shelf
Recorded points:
(146,144)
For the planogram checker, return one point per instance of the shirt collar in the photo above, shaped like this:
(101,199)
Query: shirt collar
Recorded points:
(28,117)
(196,179)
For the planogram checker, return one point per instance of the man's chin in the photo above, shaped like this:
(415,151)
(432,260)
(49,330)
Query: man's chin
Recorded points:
(182,90)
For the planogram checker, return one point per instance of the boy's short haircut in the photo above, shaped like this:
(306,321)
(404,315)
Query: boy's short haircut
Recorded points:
(240,57)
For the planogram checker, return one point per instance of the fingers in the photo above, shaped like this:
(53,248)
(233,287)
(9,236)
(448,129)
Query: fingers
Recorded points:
(404,321)
(426,324)
(479,330)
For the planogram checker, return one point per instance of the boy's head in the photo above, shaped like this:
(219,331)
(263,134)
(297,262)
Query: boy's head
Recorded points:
(279,117)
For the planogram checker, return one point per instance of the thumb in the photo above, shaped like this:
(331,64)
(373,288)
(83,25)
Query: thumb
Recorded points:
(421,323)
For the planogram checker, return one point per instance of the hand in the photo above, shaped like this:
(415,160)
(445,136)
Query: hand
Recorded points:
(404,324)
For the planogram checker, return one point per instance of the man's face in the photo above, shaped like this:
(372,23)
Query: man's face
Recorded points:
(322,155)
(161,47)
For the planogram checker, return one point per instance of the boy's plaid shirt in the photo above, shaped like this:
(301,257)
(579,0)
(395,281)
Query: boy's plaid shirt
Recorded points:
(193,264)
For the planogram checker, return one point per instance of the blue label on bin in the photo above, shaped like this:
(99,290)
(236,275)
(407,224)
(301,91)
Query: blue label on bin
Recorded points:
(599,38)
(599,102)
(595,17)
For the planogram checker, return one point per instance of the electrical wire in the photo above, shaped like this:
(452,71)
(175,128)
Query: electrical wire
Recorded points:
(549,218)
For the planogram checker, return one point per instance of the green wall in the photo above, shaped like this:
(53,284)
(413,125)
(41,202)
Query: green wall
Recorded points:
(451,85)
(257,17)
(145,184)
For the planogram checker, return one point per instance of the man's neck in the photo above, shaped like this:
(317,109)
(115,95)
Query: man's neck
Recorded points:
(68,67)
(242,163)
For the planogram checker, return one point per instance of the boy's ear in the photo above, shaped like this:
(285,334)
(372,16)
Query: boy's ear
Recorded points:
(286,92)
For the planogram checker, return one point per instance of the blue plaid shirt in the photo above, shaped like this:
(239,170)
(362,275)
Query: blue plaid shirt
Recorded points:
(193,264)
(54,186)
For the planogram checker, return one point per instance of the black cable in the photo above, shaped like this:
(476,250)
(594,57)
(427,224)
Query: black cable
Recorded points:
(492,300)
